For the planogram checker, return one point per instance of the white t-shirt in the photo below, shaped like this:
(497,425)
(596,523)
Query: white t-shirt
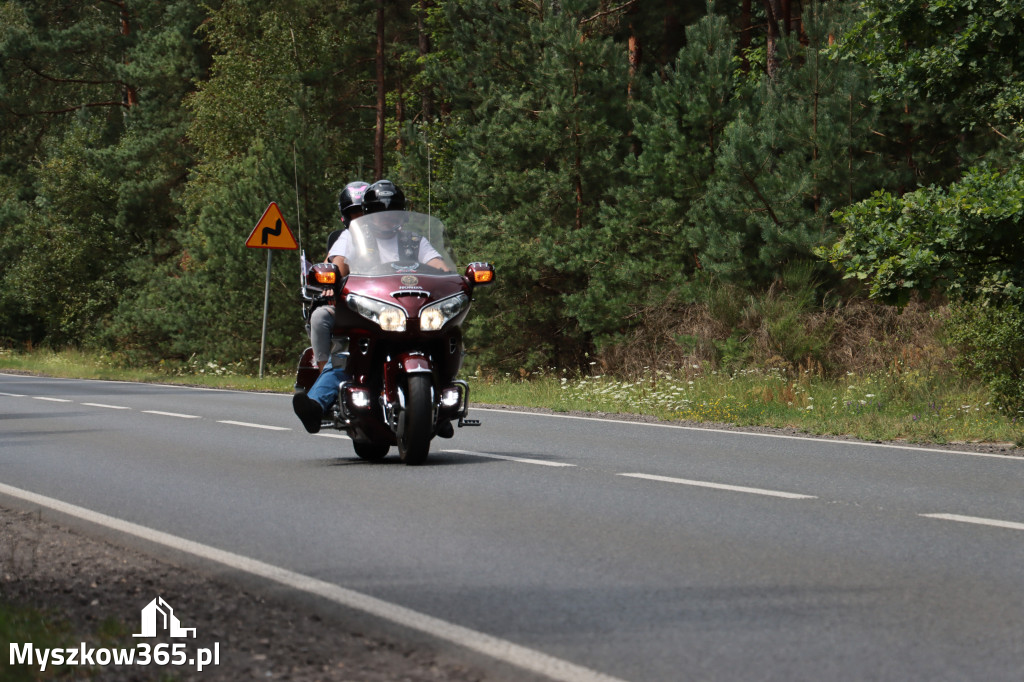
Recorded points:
(388,249)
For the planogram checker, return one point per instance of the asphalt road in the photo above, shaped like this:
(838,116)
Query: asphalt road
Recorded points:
(640,552)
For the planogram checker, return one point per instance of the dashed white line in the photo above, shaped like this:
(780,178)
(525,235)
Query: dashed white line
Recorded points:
(523,460)
(977,520)
(109,407)
(173,414)
(722,486)
(254,426)
(333,435)
(52,400)
(13,395)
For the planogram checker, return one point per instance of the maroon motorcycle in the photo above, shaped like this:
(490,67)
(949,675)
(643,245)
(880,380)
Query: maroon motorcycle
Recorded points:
(397,334)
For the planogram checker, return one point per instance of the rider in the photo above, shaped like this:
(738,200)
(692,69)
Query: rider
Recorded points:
(384,195)
(321,320)
(380,196)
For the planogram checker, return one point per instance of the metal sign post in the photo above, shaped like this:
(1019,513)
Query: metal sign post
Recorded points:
(271,232)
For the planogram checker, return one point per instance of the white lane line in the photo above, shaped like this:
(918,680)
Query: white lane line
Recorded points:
(722,486)
(173,414)
(752,434)
(109,407)
(499,649)
(333,435)
(52,400)
(977,520)
(254,426)
(14,395)
(523,460)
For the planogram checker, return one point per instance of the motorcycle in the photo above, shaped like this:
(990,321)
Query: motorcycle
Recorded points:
(397,333)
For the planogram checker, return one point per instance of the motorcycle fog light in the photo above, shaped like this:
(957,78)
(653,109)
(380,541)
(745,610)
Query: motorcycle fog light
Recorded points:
(392,320)
(359,400)
(450,397)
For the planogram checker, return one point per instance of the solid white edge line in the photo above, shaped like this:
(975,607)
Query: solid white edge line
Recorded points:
(523,460)
(499,649)
(254,426)
(977,520)
(722,486)
(813,439)
(172,414)
(109,407)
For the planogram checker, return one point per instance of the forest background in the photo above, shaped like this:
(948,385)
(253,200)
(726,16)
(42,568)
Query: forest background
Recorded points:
(827,187)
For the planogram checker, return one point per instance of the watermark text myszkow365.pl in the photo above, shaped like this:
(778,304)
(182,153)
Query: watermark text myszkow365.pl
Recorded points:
(157,618)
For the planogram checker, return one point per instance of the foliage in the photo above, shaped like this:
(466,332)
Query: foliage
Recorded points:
(966,54)
(91,155)
(963,236)
(966,239)
(622,164)
(540,136)
(991,338)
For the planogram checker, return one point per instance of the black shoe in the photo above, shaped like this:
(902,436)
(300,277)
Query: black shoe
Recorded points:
(445,430)
(309,411)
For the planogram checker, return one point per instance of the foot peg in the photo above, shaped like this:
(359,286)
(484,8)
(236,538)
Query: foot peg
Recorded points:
(469,422)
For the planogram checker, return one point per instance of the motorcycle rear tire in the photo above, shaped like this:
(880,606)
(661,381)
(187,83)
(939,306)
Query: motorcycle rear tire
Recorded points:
(417,429)
(371,452)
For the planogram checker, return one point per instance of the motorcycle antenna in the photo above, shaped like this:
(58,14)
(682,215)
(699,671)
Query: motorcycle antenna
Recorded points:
(295,171)
(298,219)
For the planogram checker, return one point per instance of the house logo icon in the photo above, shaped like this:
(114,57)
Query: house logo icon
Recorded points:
(158,614)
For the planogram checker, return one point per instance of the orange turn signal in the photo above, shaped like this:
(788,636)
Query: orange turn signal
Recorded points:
(326,277)
(483,276)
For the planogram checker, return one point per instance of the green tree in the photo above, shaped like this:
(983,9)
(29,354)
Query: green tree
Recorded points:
(644,226)
(797,150)
(92,153)
(963,237)
(540,135)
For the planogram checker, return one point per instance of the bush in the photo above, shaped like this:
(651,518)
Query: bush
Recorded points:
(990,339)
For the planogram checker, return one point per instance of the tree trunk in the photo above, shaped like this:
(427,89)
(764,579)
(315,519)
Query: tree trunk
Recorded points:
(427,99)
(773,10)
(745,30)
(378,140)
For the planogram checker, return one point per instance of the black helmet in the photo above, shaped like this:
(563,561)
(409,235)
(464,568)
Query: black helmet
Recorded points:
(350,199)
(383,195)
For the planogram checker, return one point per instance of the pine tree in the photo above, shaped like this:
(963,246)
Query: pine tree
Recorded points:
(541,133)
(92,152)
(679,127)
(794,154)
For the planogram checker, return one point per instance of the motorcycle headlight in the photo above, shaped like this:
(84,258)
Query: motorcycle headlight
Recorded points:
(391,318)
(437,315)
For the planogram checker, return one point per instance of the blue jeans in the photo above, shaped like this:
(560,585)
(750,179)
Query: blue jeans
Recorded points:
(325,389)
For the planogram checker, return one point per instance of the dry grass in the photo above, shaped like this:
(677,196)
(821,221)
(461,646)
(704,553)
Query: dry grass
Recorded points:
(858,337)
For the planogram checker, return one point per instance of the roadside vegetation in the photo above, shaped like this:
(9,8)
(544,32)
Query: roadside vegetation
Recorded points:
(891,404)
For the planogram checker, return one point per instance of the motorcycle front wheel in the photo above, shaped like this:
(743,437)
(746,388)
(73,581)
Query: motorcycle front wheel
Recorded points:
(416,428)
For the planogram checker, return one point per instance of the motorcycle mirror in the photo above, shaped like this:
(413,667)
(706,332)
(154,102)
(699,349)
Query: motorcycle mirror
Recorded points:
(480,273)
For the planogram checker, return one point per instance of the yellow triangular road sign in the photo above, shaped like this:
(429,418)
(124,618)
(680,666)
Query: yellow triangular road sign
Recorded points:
(272,232)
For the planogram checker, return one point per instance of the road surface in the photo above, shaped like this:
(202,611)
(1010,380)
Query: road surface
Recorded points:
(581,549)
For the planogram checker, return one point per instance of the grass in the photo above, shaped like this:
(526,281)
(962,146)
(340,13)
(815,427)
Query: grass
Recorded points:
(899,404)
(20,625)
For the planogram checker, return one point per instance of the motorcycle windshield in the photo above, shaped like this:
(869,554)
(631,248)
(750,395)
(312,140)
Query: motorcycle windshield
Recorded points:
(392,242)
